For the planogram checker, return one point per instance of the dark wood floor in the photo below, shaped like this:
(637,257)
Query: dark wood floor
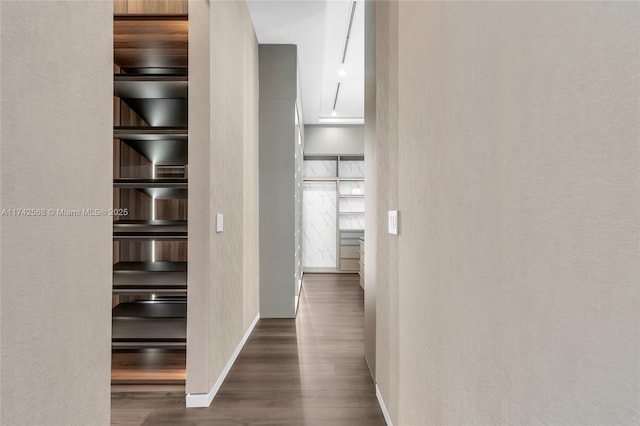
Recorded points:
(308,371)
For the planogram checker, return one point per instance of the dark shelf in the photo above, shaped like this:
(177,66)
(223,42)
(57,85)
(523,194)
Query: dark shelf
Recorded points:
(150,277)
(169,152)
(135,133)
(161,189)
(150,183)
(320,158)
(160,112)
(351,157)
(150,323)
(134,333)
(151,266)
(147,86)
(166,308)
(160,145)
(160,100)
(150,230)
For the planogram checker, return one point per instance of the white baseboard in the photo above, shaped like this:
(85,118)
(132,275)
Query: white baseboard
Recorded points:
(205,399)
(383,407)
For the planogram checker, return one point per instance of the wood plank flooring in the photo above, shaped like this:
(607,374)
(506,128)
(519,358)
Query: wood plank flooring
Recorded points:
(307,371)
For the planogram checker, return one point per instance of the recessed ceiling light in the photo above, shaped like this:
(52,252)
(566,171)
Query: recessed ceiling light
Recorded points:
(342,73)
(334,113)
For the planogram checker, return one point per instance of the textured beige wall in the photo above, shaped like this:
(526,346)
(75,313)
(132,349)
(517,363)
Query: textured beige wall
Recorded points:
(386,157)
(200,216)
(56,152)
(250,178)
(517,263)
(0,207)
(223,169)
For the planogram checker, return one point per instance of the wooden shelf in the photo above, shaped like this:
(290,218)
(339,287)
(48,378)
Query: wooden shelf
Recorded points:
(136,367)
(151,41)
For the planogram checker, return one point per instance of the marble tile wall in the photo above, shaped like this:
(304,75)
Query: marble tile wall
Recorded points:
(351,187)
(351,205)
(319,225)
(351,169)
(352,221)
(320,168)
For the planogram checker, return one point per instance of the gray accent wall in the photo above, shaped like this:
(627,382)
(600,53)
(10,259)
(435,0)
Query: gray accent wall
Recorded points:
(334,139)
(511,131)
(56,147)
(279,180)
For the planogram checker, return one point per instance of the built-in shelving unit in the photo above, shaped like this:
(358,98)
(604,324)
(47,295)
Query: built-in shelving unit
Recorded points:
(342,175)
(151,186)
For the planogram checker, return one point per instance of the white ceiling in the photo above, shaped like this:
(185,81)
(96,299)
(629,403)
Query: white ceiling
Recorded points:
(319,29)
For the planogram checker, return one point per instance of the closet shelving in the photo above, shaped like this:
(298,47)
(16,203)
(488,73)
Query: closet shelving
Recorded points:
(351,210)
(347,171)
(151,183)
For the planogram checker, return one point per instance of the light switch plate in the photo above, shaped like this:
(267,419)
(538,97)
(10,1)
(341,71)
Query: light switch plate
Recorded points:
(219,222)
(393,222)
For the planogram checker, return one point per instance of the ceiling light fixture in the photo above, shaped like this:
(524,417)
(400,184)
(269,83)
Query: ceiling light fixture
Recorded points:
(334,113)
(346,41)
(335,98)
(342,73)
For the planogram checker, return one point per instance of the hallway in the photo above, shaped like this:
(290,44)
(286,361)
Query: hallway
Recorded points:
(310,371)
